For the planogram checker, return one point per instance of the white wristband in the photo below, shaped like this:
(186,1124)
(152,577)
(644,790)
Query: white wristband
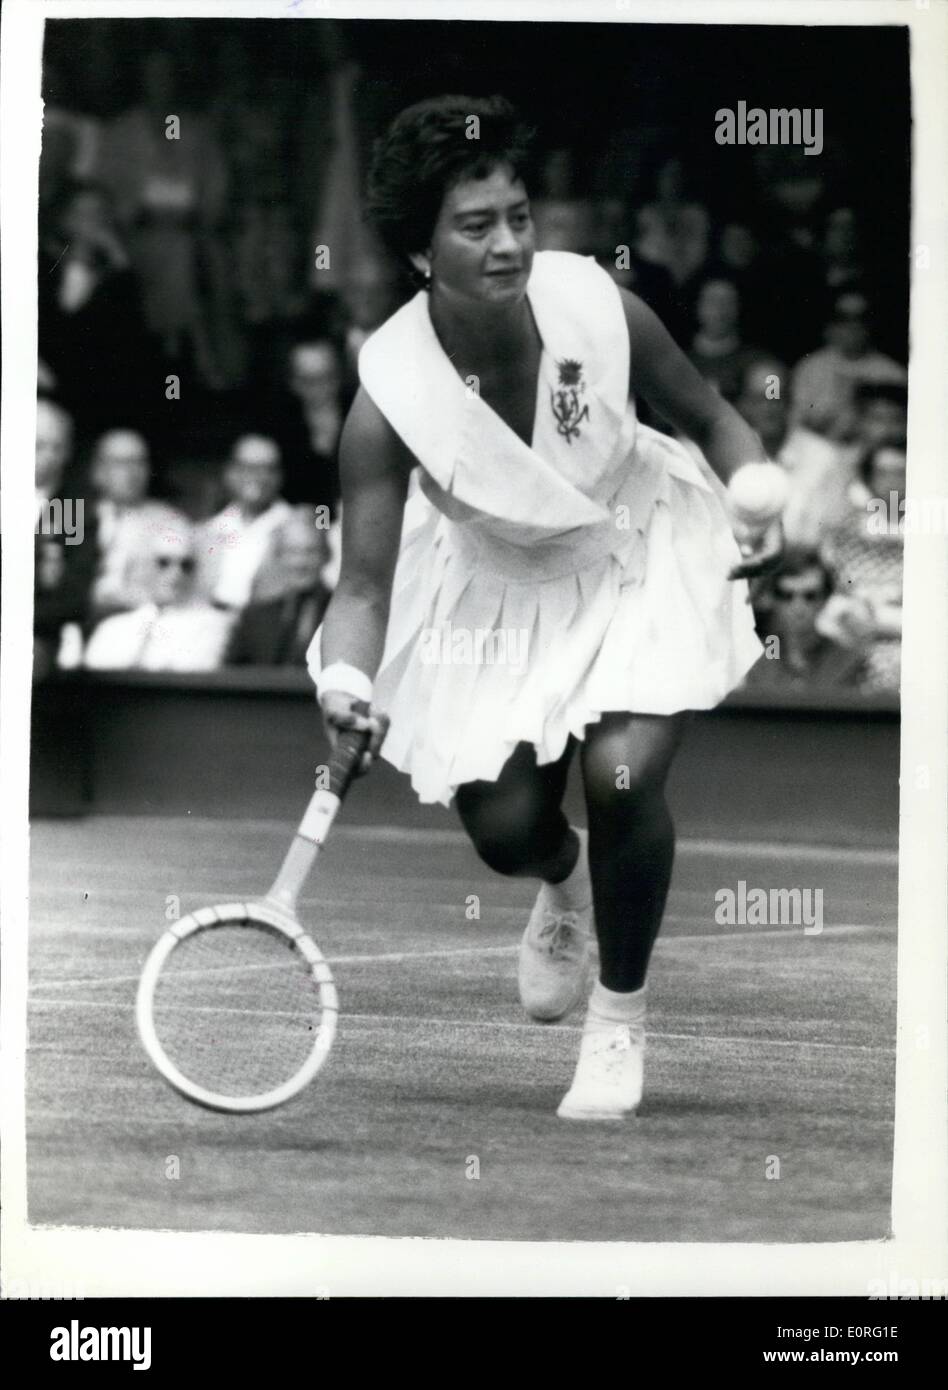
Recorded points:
(349,679)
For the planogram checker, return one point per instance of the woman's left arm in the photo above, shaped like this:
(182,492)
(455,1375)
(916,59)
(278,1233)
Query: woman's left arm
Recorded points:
(661,373)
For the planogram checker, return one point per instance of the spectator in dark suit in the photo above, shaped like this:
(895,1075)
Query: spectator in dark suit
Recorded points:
(306,420)
(91,331)
(65,542)
(289,597)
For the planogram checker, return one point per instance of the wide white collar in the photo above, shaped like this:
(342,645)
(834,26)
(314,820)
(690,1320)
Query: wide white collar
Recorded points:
(467,449)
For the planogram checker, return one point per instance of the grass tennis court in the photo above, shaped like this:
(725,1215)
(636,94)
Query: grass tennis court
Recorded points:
(764,1043)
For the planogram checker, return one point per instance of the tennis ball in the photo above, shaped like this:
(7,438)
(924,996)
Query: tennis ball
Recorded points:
(758,493)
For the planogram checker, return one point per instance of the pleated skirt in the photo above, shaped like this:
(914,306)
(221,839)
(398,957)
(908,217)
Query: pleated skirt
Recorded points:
(491,643)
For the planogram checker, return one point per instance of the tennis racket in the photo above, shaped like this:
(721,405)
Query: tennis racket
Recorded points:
(236,1004)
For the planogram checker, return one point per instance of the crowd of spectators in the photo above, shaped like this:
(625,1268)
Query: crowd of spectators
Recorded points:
(200,322)
(137,584)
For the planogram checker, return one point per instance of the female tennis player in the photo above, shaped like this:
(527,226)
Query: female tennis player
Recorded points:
(560,576)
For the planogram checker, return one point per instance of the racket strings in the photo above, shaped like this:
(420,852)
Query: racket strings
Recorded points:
(236,1008)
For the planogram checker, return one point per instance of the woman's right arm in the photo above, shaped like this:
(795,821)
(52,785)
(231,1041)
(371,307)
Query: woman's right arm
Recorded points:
(374,469)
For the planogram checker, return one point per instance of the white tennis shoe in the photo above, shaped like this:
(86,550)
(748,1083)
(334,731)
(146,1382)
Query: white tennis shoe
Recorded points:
(555,949)
(608,1081)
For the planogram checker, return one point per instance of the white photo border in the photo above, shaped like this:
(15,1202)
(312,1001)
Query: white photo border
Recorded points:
(88,1262)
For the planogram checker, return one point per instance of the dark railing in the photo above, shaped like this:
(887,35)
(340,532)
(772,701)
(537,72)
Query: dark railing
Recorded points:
(246,743)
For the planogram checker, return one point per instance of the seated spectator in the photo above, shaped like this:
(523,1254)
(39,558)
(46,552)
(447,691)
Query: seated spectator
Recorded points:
(369,294)
(818,473)
(70,146)
(672,231)
(307,421)
(716,348)
(288,599)
(54,439)
(562,221)
(843,267)
(64,547)
(89,314)
(233,544)
(251,113)
(176,631)
(127,520)
(868,559)
(169,197)
(267,257)
(739,258)
(738,248)
(613,249)
(790,199)
(797,653)
(881,415)
(824,383)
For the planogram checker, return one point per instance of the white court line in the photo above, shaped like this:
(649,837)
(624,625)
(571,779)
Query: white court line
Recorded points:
(399,957)
(395,957)
(760,849)
(415,835)
(388,1021)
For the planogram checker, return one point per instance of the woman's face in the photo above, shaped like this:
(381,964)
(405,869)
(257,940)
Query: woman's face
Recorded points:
(483,242)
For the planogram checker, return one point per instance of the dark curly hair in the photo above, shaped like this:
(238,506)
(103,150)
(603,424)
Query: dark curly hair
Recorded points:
(426,150)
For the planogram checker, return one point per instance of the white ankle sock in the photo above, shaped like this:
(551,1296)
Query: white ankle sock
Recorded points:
(574,894)
(608,1006)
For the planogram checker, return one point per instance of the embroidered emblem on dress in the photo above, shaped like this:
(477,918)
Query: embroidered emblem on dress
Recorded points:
(566,399)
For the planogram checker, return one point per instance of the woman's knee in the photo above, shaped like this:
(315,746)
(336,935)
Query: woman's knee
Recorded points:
(512,835)
(505,854)
(625,772)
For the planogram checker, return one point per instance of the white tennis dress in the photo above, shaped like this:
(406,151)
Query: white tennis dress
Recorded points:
(538,587)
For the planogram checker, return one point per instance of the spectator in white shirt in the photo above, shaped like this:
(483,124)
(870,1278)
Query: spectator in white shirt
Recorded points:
(824,383)
(128,520)
(233,544)
(868,559)
(818,473)
(177,631)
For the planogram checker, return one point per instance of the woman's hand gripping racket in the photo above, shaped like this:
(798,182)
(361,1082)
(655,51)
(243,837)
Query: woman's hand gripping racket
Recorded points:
(236,1005)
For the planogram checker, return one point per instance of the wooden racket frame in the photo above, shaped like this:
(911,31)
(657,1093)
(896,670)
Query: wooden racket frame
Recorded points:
(277,910)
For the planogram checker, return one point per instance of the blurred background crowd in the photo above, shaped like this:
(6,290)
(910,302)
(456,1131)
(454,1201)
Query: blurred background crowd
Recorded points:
(206,282)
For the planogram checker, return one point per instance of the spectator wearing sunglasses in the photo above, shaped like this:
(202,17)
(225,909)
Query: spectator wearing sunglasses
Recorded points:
(797,653)
(176,631)
(128,522)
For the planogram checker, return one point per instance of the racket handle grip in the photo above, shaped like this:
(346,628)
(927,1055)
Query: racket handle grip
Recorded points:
(347,754)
